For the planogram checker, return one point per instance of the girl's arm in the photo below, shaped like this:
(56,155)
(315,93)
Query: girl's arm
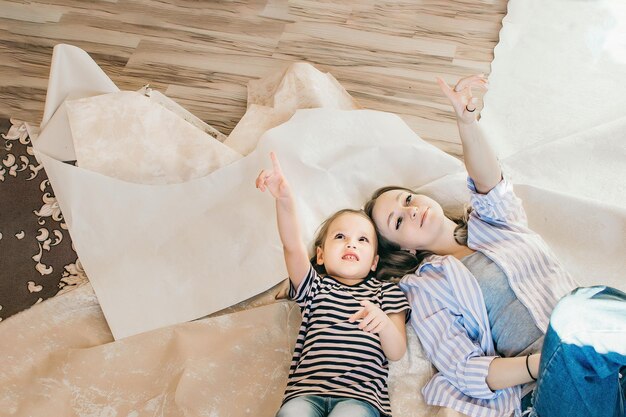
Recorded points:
(393,338)
(294,250)
(481,161)
(508,372)
(390,328)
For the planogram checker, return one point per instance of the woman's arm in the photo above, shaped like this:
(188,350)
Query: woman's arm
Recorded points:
(447,344)
(296,257)
(481,161)
(508,372)
(459,358)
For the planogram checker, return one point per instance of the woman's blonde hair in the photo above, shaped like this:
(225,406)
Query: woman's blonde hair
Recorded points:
(394,263)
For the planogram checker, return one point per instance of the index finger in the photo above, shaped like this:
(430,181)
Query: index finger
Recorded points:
(358,315)
(275,162)
(445,88)
(471,80)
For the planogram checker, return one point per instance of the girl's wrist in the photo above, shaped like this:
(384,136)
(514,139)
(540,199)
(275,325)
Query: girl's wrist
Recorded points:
(285,197)
(388,325)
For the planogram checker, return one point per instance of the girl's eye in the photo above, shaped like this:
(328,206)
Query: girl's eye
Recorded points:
(339,236)
(363,239)
(408,199)
(398,223)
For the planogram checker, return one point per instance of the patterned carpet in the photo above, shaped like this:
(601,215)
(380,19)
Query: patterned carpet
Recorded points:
(37,260)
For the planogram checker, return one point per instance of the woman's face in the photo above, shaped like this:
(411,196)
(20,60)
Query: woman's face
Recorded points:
(412,221)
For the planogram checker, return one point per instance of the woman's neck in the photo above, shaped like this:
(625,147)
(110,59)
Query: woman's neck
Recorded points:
(447,244)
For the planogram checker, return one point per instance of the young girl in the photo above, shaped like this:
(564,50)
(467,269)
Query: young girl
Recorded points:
(352,323)
(484,292)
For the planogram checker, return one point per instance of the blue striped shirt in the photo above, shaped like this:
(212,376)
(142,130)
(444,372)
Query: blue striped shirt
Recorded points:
(449,313)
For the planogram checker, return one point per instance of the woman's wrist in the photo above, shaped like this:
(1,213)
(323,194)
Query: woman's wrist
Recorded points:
(461,122)
(532,365)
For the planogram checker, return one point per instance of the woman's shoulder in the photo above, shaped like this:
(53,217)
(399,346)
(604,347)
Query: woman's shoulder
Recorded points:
(385,285)
(432,268)
(500,208)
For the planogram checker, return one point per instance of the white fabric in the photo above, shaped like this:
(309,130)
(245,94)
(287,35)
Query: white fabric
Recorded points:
(556,113)
(557,71)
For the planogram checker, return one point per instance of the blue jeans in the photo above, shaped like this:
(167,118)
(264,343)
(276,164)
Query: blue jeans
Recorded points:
(317,406)
(583,353)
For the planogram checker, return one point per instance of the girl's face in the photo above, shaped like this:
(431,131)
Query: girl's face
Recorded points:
(412,221)
(349,249)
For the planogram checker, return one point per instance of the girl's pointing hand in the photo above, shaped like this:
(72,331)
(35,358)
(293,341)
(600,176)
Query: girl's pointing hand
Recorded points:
(273,179)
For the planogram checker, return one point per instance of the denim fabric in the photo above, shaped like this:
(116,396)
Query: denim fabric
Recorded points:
(317,406)
(583,353)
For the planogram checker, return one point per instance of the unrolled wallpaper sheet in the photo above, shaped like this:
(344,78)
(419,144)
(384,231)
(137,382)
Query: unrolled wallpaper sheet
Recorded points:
(164,242)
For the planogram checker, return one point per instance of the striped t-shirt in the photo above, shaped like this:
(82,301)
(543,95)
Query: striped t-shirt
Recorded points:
(333,357)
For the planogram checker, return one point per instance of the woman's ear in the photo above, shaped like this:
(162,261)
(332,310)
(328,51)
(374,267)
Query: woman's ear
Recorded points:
(320,255)
(375,263)
(411,251)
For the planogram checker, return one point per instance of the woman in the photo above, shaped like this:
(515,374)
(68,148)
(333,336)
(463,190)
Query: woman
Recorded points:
(486,289)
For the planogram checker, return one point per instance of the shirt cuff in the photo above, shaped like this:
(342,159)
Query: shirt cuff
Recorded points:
(496,203)
(496,192)
(475,378)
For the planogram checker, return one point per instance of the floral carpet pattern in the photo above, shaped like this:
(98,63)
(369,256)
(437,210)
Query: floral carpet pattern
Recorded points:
(37,259)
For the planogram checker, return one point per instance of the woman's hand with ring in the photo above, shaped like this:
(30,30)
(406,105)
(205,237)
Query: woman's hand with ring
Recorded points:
(460,96)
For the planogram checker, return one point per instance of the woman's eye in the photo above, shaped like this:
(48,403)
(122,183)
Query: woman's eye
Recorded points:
(398,223)
(363,239)
(408,199)
(339,236)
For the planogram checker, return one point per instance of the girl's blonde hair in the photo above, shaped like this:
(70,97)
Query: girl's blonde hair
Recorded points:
(323,232)
(394,263)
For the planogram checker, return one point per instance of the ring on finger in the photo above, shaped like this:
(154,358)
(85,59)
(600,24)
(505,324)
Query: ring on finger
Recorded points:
(471,111)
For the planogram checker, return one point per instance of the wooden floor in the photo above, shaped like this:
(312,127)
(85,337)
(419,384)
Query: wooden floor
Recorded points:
(386,53)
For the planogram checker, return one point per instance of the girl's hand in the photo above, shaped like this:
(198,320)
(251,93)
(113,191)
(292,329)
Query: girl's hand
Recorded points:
(273,180)
(461,96)
(374,320)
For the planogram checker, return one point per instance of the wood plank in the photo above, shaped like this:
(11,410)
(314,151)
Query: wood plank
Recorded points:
(386,53)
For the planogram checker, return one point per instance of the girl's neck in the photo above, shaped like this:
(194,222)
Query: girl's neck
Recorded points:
(346,281)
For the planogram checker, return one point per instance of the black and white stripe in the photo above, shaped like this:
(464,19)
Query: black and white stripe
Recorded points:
(333,357)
